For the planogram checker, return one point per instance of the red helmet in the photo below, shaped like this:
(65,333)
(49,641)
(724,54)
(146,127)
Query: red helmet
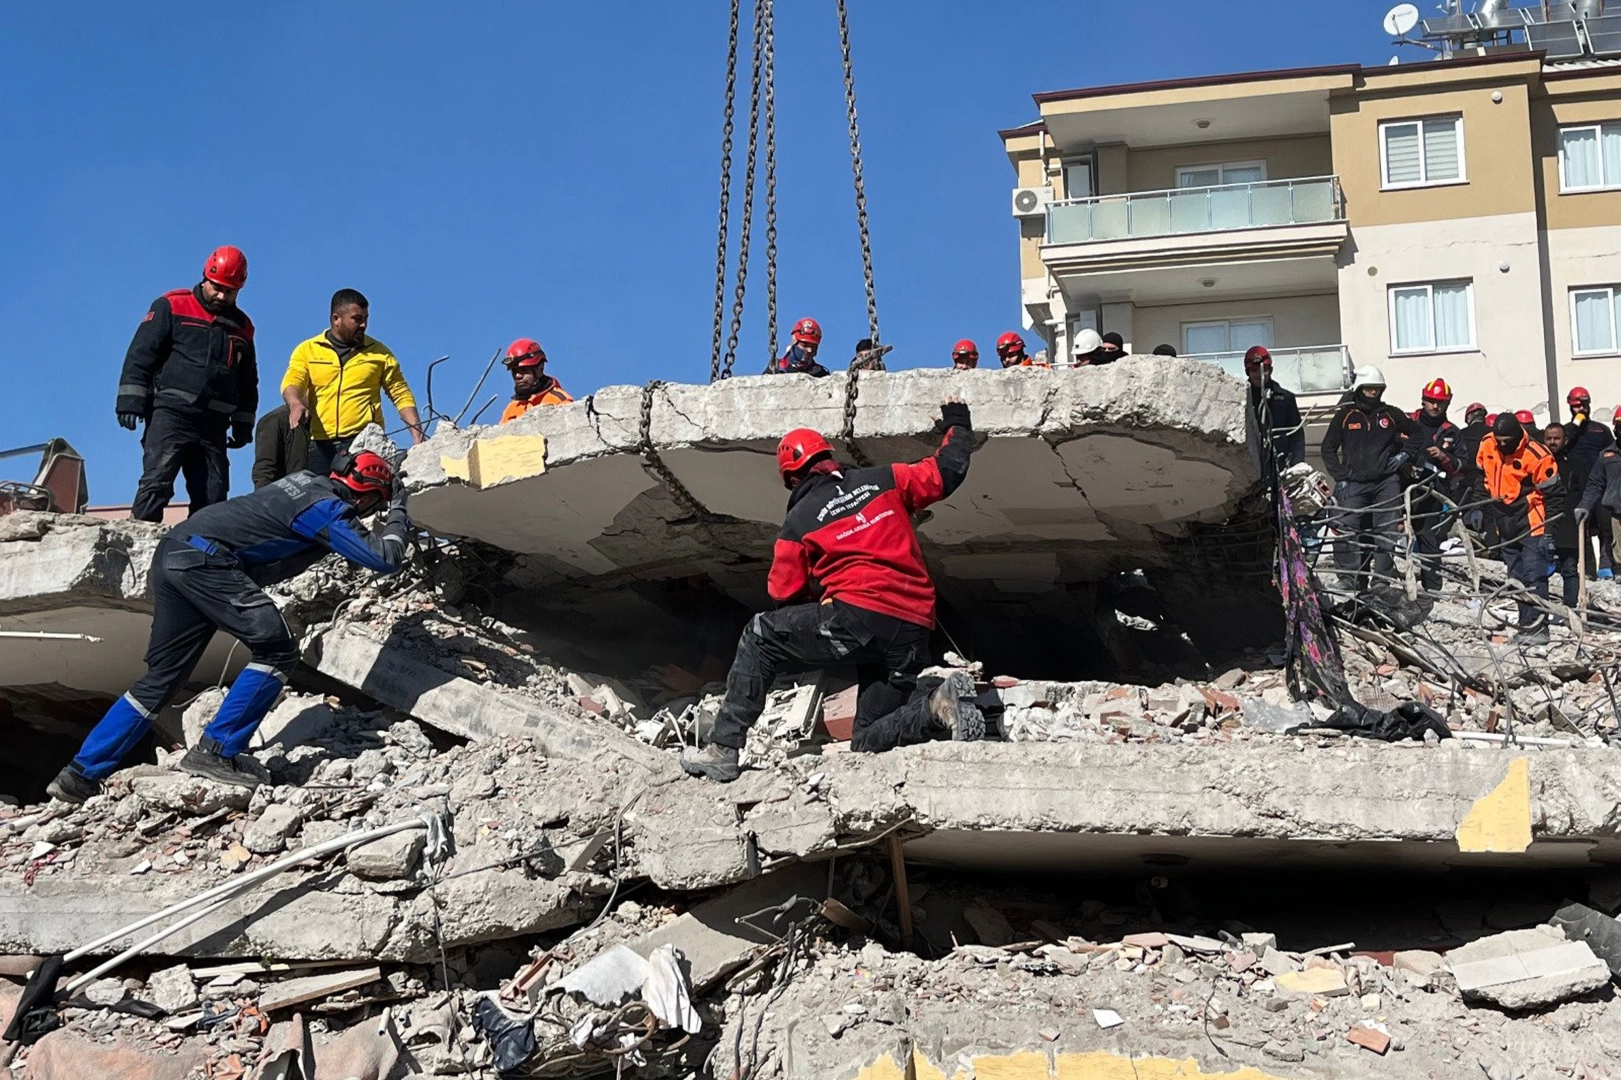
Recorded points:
(1257,354)
(799,448)
(1437,390)
(1474,407)
(1578,396)
(227,267)
(1524,416)
(366,474)
(525,353)
(1009,344)
(1491,418)
(965,350)
(808,331)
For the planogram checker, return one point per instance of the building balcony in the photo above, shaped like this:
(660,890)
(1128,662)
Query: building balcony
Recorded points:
(1235,239)
(1311,369)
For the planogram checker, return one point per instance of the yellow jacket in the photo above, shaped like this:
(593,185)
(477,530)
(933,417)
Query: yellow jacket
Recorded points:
(346,397)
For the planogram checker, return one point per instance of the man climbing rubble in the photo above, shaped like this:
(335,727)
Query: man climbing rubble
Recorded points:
(849,533)
(1362,451)
(531,386)
(1519,471)
(206,576)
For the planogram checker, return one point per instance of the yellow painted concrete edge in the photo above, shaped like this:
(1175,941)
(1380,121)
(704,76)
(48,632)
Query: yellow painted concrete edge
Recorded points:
(1500,821)
(498,460)
(1033,1065)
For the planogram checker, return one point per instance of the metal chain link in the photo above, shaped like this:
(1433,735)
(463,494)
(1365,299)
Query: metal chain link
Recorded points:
(852,390)
(740,289)
(770,64)
(655,462)
(725,192)
(855,168)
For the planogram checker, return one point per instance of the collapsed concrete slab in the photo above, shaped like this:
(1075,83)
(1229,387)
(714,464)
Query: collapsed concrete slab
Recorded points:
(1079,474)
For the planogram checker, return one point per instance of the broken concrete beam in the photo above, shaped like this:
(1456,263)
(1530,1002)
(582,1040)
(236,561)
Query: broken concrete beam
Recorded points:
(1080,472)
(1524,969)
(1601,932)
(389,858)
(412,683)
(290,992)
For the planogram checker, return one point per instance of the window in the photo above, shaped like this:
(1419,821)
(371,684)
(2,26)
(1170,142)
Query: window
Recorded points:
(1593,320)
(1225,336)
(1418,153)
(1437,317)
(1078,178)
(1239,172)
(1590,157)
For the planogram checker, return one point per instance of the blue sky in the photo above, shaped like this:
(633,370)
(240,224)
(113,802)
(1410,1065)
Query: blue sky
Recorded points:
(531,169)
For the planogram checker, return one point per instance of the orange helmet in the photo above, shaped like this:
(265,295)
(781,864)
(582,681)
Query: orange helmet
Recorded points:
(525,353)
(1438,390)
(365,473)
(227,267)
(808,331)
(1009,344)
(798,450)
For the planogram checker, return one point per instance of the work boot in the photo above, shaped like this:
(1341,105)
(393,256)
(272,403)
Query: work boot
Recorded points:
(70,787)
(1538,636)
(952,706)
(212,766)
(717,762)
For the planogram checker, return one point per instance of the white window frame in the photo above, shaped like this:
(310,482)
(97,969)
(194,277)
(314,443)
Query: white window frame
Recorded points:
(1576,351)
(1221,168)
(1423,181)
(1606,183)
(1433,350)
(1271,333)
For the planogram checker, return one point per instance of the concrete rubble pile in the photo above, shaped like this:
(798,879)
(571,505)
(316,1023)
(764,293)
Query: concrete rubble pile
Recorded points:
(1085,893)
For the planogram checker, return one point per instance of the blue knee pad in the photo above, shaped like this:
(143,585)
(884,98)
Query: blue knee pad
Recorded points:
(111,739)
(251,696)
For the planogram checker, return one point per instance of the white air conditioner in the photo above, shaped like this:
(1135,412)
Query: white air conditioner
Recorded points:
(1029,202)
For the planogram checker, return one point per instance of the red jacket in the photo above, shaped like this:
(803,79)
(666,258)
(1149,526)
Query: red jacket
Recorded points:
(851,532)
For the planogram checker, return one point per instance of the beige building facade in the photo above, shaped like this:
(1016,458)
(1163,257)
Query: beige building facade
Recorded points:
(1458,218)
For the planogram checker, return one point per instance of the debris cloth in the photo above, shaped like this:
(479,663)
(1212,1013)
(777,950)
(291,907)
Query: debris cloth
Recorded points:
(36,1014)
(1314,664)
(511,1040)
(1409,720)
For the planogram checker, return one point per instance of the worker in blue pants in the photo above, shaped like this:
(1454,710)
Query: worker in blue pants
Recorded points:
(206,576)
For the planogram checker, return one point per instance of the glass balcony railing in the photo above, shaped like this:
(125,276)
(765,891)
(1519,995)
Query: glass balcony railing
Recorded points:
(1195,210)
(1313,369)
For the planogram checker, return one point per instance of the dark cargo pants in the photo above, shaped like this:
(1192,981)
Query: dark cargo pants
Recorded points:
(185,442)
(1368,515)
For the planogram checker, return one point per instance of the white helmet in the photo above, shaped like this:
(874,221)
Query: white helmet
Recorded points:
(1368,376)
(1087,341)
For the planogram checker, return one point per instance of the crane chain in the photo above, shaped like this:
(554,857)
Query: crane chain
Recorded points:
(740,289)
(725,192)
(654,461)
(770,64)
(855,168)
(852,390)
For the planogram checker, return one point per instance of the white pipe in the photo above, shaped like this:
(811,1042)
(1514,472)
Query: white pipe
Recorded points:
(261,874)
(44,635)
(133,950)
(1518,740)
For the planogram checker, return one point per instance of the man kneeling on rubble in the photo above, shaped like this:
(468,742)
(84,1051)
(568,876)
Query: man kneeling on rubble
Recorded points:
(850,531)
(207,575)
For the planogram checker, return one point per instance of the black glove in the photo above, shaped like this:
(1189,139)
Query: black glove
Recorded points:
(128,420)
(955,414)
(241,434)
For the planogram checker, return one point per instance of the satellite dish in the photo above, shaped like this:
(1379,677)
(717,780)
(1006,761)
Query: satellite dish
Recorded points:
(1394,61)
(1400,19)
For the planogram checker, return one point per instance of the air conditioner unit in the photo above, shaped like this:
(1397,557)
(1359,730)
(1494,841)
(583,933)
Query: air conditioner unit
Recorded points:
(1029,202)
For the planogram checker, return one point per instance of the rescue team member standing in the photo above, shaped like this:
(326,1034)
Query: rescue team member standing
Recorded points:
(278,447)
(531,386)
(190,374)
(800,358)
(964,355)
(1435,443)
(1010,350)
(1588,440)
(1275,410)
(206,575)
(849,531)
(1361,451)
(1518,473)
(345,373)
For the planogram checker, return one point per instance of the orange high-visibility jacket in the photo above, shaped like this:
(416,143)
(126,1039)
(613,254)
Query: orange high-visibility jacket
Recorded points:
(1514,482)
(552,395)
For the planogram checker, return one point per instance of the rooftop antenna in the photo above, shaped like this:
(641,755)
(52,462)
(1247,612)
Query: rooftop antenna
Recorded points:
(1399,20)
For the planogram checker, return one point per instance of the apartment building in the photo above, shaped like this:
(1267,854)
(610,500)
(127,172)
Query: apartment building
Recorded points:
(1459,217)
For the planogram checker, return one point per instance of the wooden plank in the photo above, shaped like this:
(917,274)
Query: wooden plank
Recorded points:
(903,895)
(284,995)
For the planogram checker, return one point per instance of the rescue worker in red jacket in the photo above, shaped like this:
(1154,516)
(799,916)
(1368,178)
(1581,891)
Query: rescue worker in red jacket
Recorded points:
(192,378)
(1519,473)
(531,386)
(848,535)
(1432,463)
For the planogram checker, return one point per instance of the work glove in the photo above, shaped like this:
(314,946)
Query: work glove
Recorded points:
(128,420)
(241,435)
(1581,515)
(955,414)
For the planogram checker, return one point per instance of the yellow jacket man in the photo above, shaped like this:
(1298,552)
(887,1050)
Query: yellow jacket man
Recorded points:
(335,383)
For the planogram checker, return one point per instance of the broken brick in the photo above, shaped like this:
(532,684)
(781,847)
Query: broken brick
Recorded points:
(1369,1039)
